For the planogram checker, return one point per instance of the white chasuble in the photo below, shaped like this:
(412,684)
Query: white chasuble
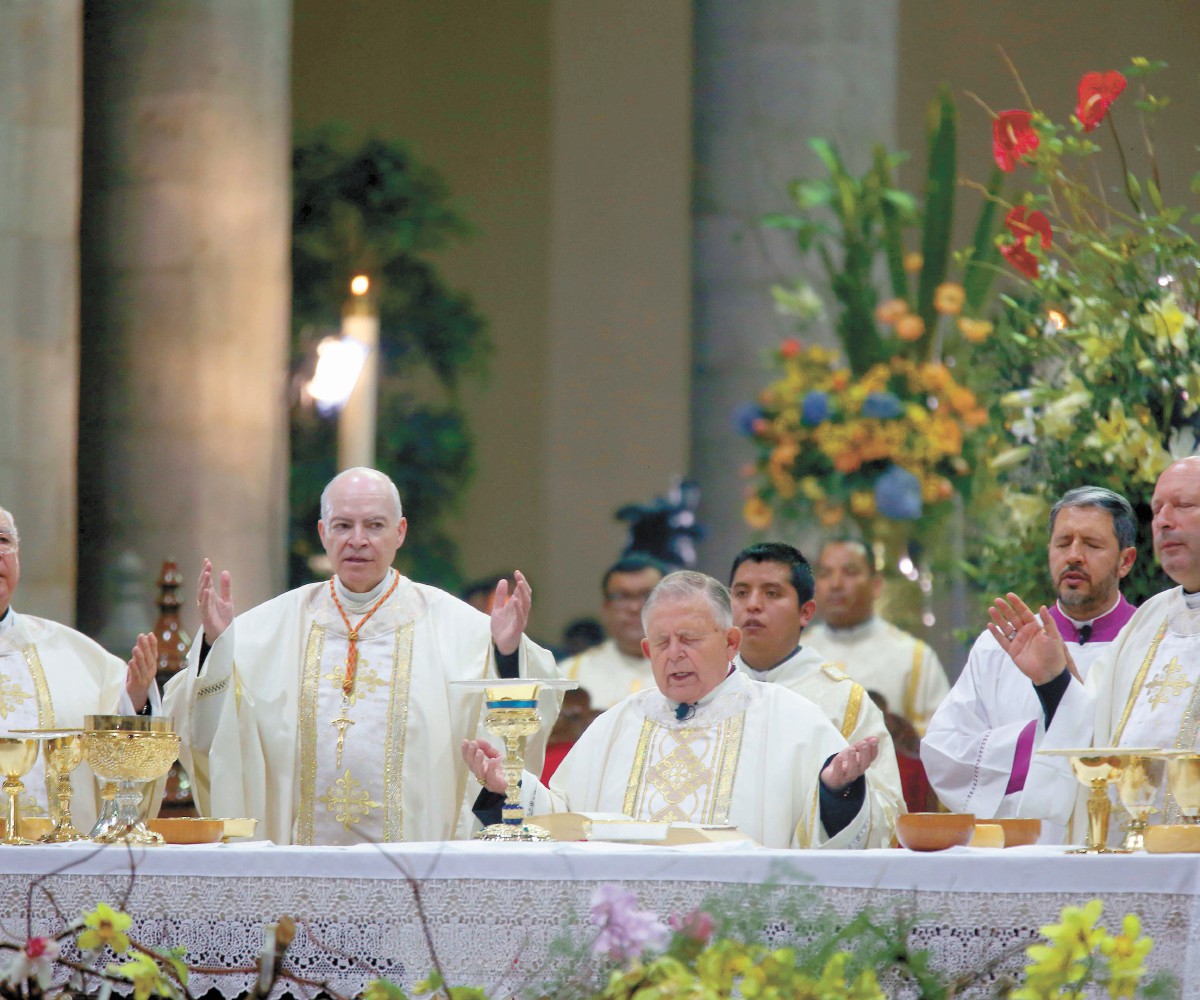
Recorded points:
(750,756)
(52,677)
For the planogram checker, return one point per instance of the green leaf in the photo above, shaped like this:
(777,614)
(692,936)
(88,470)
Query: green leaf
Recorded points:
(980,271)
(828,156)
(939,202)
(893,227)
(782,220)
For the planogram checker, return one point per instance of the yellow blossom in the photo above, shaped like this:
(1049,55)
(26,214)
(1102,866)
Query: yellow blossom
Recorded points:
(1168,324)
(910,327)
(145,974)
(890,311)
(948,298)
(757,514)
(105,926)
(976,331)
(862,503)
(913,262)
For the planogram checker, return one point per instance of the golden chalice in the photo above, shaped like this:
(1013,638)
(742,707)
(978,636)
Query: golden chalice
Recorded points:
(62,750)
(17,756)
(1138,786)
(1183,779)
(1097,768)
(130,750)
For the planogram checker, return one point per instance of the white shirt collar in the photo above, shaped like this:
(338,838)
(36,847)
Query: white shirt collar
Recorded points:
(356,602)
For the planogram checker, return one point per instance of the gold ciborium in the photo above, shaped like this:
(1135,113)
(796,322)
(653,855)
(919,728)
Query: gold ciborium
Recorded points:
(130,750)
(1096,768)
(1138,787)
(62,750)
(17,756)
(1183,779)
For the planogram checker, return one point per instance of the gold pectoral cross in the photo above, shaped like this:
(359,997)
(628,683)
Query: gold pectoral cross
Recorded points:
(1170,684)
(342,721)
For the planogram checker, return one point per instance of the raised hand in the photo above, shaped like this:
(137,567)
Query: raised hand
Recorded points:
(143,666)
(1032,641)
(850,764)
(486,764)
(510,613)
(216,608)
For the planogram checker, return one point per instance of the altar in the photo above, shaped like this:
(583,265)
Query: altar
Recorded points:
(491,911)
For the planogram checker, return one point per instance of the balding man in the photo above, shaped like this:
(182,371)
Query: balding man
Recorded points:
(327,713)
(1143,692)
(52,676)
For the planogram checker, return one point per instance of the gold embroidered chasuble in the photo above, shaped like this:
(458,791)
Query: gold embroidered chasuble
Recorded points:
(258,721)
(52,676)
(751,757)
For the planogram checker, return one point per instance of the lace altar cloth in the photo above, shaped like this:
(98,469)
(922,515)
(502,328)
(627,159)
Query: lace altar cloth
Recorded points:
(492,910)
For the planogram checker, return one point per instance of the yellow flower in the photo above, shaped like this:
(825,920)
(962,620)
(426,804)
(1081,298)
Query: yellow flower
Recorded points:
(105,926)
(910,327)
(1168,324)
(757,514)
(862,503)
(1009,458)
(890,311)
(948,298)
(913,262)
(974,330)
(1058,417)
(145,974)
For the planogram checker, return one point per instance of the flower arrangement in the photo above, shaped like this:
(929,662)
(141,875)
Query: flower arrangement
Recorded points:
(1094,356)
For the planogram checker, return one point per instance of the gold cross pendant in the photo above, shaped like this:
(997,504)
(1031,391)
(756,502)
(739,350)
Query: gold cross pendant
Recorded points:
(341,722)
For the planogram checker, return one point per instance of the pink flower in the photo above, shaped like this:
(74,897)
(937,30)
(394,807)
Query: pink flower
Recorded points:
(695,926)
(625,931)
(34,961)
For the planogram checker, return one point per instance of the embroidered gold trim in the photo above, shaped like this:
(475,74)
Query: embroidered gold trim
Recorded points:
(914,680)
(397,734)
(1139,680)
(637,774)
(310,678)
(45,710)
(212,689)
(729,751)
(853,706)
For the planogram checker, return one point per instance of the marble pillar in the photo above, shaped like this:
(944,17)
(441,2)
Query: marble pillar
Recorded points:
(185,291)
(39,292)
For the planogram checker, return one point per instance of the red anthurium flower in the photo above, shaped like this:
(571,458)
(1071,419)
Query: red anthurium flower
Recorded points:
(1035,225)
(1019,255)
(1012,138)
(1097,91)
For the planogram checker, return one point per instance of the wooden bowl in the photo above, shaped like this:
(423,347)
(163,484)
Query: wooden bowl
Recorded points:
(188,829)
(934,831)
(1019,832)
(1178,838)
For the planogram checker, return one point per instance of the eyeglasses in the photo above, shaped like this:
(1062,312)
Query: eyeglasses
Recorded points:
(8,544)
(627,597)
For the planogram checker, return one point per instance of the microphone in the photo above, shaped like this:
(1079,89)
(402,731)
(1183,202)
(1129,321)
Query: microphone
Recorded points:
(1085,633)
(684,711)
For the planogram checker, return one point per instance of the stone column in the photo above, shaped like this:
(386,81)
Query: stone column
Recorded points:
(769,75)
(185,280)
(39,292)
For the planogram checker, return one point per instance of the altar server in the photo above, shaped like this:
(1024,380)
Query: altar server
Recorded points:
(51,677)
(1143,692)
(979,745)
(772,590)
(708,745)
(328,712)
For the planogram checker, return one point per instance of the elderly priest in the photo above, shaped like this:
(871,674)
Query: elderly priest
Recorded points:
(327,713)
(708,745)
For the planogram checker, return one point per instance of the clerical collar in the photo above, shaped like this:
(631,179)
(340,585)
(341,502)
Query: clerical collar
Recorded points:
(355,601)
(1101,629)
(685,710)
(1191,600)
(1080,622)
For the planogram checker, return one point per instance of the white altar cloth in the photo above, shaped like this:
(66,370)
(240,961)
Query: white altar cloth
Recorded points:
(492,909)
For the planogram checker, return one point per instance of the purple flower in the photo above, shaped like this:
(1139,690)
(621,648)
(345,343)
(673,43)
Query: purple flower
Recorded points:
(815,408)
(625,931)
(898,494)
(882,406)
(744,417)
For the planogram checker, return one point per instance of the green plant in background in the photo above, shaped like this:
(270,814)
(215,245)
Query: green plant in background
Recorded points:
(1094,360)
(371,207)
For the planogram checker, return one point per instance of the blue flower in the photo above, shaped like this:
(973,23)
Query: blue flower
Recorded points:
(815,408)
(744,417)
(882,406)
(898,494)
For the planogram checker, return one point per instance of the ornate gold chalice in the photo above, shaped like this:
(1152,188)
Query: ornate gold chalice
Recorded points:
(1096,768)
(130,750)
(512,714)
(62,750)
(1138,786)
(1183,779)
(17,757)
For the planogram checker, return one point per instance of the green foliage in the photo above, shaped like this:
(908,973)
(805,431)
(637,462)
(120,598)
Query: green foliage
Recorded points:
(371,207)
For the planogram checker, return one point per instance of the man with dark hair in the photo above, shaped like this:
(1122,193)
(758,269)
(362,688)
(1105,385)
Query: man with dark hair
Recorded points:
(771,585)
(877,654)
(979,744)
(616,667)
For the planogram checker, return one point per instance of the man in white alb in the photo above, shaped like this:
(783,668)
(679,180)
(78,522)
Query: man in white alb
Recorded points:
(979,744)
(874,652)
(328,713)
(771,585)
(616,667)
(707,744)
(1143,692)
(52,676)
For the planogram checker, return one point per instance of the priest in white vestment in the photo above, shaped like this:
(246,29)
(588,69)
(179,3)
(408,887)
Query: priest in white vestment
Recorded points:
(1143,692)
(51,677)
(708,745)
(329,713)
(877,654)
(771,585)
(979,744)
(616,667)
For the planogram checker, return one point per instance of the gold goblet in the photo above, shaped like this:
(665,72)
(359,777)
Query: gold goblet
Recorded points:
(17,756)
(1096,769)
(1183,779)
(63,751)
(130,750)
(1138,786)
(513,716)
